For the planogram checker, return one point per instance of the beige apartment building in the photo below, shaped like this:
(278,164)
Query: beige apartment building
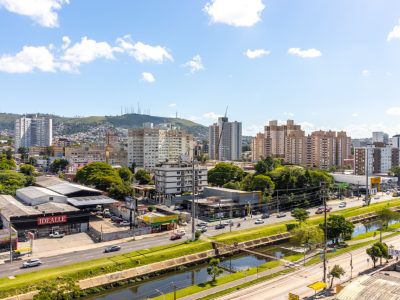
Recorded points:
(148,147)
(320,149)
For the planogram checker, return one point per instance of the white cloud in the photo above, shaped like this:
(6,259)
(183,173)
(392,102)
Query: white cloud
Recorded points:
(393,111)
(43,12)
(355,115)
(195,64)
(28,60)
(86,51)
(395,33)
(309,53)
(148,77)
(66,42)
(172,105)
(194,118)
(142,52)
(289,114)
(211,116)
(365,72)
(240,13)
(256,53)
(253,129)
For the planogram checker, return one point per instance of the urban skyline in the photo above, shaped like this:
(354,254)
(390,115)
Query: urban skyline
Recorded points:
(329,74)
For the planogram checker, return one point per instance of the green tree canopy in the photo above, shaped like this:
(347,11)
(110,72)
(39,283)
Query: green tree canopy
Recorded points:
(27,169)
(336,272)
(386,215)
(307,234)
(125,174)
(259,182)
(395,171)
(98,174)
(224,173)
(213,268)
(267,165)
(300,214)
(59,165)
(338,228)
(232,185)
(121,191)
(143,177)
(10,181)
(6,163)
(378,251)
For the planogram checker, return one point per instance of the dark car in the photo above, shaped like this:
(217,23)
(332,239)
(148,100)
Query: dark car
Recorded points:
(114,248)
(116,219)
(220,226)
(265,216)
(175,237)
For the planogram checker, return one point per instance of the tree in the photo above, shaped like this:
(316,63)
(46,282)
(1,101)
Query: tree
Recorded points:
(385,216)
(120,191)
(213,268)
(59,165)
(232,185)
(300,214)
(338,228)
(224,173)
(267,165)
(125,174)
(98,174)
(10,181)
(133,167)
(27,169)
(307,235)
(382,253)
(6,164)
(395,171)
(336,272)
(24,152)
(375,253)
(142,176)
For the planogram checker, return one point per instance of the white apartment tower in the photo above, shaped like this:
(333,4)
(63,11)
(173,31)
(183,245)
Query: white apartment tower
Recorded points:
(33,132)
(149,146)
(225,140)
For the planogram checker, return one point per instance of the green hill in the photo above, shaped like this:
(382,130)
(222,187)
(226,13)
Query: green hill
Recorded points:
(82,124)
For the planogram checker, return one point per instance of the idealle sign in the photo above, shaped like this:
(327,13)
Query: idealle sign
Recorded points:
(52,220)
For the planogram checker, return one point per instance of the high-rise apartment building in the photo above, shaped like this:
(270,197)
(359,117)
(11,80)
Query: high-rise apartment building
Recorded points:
(258,147)
(396,141)
(225,140)
(149,146)
(380,159)
(33,132)
(321,149)
(380,137)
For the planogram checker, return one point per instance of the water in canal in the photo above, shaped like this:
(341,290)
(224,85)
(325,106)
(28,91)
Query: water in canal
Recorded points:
(192,276)
(373,226)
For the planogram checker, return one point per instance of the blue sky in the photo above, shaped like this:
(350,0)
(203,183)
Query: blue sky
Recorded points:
(325,64)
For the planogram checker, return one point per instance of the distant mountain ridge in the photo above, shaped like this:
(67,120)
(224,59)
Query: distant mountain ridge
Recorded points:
(73,125)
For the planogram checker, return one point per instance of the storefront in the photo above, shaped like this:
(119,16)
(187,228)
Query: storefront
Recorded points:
(160,223)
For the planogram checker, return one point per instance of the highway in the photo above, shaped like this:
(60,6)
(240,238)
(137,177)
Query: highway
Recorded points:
(78,256)
(296,283)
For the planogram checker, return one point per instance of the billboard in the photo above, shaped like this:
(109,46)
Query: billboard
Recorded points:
(52,220)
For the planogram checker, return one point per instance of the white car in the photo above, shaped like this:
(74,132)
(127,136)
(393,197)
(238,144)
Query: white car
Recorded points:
(183,223)
(34,262)
(342,204)
(181,232)
(124,223)
(259,221)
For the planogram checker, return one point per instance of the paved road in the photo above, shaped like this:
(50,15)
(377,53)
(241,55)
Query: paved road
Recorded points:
(280,287)
(78,256)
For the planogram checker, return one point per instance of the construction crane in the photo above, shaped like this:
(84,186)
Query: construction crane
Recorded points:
(220,135)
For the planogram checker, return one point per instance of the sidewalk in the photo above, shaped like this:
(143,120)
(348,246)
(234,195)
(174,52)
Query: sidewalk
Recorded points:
(50,253)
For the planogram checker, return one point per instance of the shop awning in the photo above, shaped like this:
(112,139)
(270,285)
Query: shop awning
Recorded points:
(317,286)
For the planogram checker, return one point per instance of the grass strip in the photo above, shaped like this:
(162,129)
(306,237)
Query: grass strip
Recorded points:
(31,281)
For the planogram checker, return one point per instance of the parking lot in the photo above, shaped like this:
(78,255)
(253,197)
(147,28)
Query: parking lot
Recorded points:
(65,244)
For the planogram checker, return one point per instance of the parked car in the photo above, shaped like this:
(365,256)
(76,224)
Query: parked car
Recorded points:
(202,224)
(321,210)
(175,237)
(228,223)
(56,235)
(113,248)
(265,216)
(219,226)
(107,215)
(259,221)
(281,215)
(34,262)
(124,223)
(116,219)
(183,223)
(342,204)
(377,197)
(181,232)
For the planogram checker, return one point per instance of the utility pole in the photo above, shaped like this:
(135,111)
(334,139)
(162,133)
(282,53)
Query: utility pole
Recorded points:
(325,228)
(366,175)
(11,245)
(277,201)
(174,287)
(193,203)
